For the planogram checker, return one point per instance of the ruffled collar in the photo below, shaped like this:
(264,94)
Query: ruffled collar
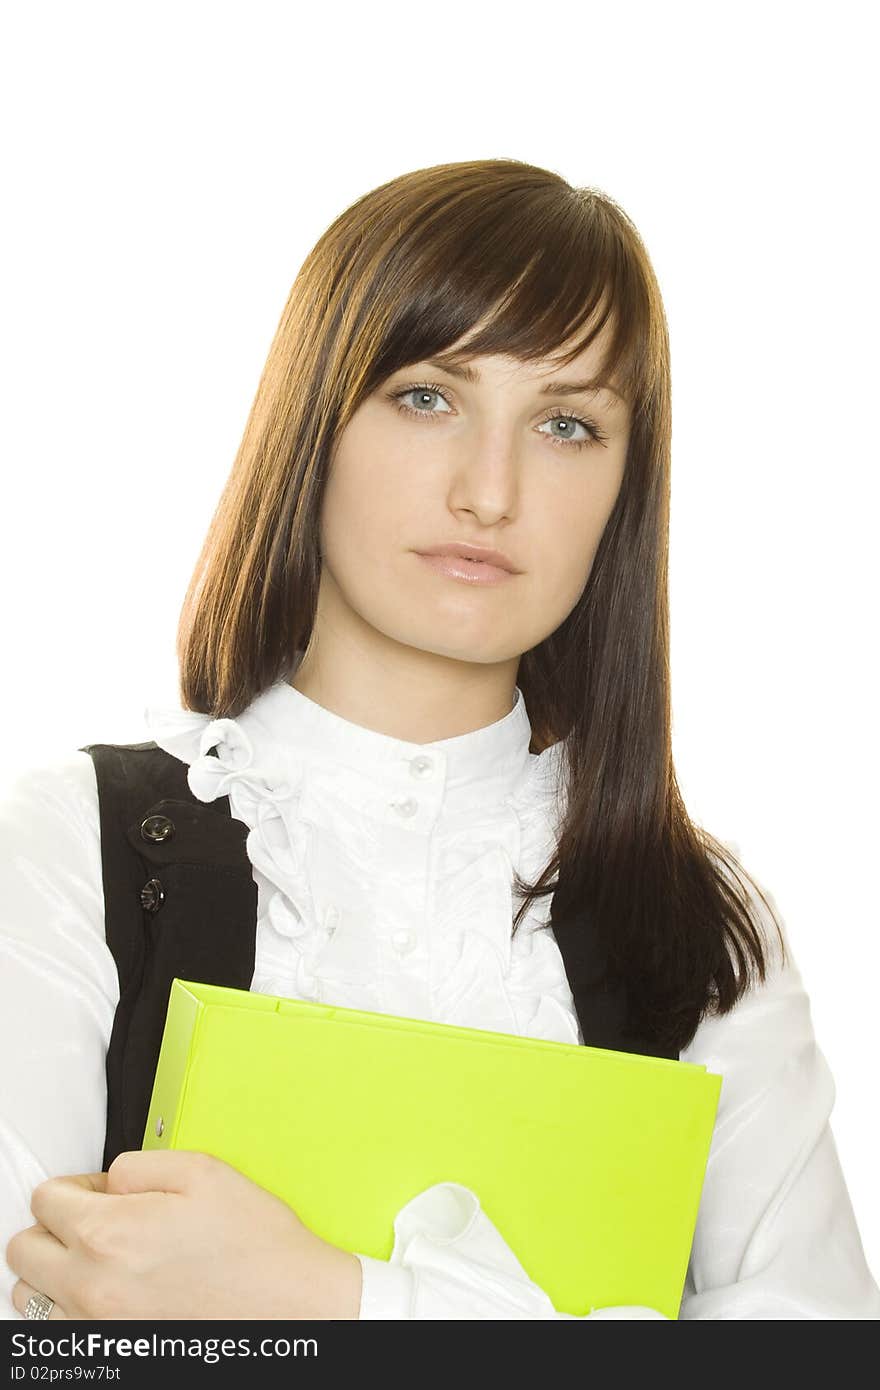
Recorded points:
(283,734)
(347,825)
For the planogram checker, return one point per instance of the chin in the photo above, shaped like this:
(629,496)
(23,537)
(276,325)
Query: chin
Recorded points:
(479,652)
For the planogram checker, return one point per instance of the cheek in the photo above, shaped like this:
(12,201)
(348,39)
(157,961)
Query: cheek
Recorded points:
(571,528)
(370,518)
(372,494)
(357,511)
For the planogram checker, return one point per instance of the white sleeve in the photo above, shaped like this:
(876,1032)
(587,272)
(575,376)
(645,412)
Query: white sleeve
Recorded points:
(776,1237)
(58,988)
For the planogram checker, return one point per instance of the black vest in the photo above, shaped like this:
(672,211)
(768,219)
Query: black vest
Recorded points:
(180,900)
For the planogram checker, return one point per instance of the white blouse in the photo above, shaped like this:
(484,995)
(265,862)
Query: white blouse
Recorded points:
(384,881)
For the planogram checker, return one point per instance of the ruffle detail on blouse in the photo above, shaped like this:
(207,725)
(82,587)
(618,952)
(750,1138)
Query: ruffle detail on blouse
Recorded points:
(265,799)
(314,843)
(483,975)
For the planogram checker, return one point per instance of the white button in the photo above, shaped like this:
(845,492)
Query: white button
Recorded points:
(422,767)
(403,941)
(406,808)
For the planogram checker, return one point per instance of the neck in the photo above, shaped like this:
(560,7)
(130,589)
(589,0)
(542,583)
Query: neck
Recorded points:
(404,692)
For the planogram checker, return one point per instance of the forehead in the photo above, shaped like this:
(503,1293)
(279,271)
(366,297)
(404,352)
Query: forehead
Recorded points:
(556,373)
(582,376)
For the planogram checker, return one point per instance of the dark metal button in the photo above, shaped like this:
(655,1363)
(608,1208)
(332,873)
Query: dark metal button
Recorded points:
(157,828)
(152,896)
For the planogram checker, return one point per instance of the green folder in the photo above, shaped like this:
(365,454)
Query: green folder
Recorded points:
(589,1162)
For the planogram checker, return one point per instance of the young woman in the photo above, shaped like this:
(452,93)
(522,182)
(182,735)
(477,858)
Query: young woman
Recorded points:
(424,684)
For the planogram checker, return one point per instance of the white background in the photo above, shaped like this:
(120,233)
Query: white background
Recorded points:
(168,166)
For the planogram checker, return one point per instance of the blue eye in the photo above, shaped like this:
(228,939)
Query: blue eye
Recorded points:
(422,391)
(594,434)
(427,389)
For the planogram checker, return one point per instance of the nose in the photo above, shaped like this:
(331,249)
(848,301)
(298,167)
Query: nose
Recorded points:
(485,479)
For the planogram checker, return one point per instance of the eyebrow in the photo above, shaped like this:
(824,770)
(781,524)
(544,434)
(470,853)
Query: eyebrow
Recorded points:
(551,388)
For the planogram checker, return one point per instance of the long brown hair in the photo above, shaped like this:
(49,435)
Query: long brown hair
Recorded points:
(402,274)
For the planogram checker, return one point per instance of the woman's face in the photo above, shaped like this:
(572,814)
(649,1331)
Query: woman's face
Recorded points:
(477,464)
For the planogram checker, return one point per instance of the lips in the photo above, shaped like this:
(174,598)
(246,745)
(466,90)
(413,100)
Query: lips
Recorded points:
(459,567)
(477,554)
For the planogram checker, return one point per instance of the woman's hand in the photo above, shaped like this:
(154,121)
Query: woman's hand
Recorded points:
(176,1234)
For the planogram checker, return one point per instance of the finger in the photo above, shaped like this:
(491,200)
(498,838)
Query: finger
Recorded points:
(161,1170)
(40,1261)
(90,1182)
(61,1204)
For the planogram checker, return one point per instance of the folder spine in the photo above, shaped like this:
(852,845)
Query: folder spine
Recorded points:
(179,1041)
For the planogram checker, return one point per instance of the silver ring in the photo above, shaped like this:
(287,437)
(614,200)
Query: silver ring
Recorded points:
(39,1305)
